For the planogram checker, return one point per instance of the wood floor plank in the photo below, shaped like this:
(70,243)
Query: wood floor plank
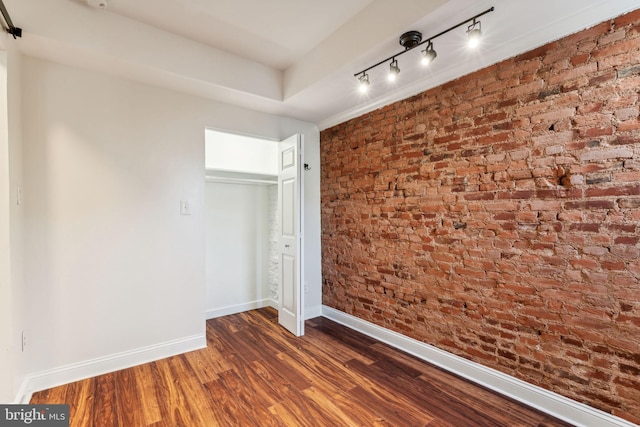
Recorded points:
(254,373)
(147,394)
(45,396)
(332,348)
(356,341)
(198,401)
(332,411)
(273,339)
(249,378)
(429,398)
(178,409)
(128,401)
(439,422)
(506,410)
(418,365)
(105,412)
(54,395)
(342,406)
(232,343)
(298,410)
(290,378)
(395,410)
(227,410)
(205,365)
(252,401)
(80,396)
(278,382)
(325,376)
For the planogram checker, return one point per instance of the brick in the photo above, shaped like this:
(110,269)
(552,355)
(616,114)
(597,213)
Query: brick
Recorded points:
(628,71)
(626,240)
(574,73)
(612,37)
(627,190)
(579,59)
(625,114)
(537,53)
(625,140)
(613,153)
(627,203)
(592,107)
(595,131)
(629,18)
(553,115)
(602,78)
(591,204)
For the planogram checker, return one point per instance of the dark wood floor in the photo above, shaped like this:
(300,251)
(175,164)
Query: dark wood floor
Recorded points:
(253,373)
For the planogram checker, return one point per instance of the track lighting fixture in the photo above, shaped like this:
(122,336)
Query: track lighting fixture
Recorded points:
(429,54)
(413,39)
(394,70)
(474,32)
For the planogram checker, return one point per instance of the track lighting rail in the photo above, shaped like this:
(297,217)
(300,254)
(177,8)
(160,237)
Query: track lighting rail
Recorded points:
(412,42)
(11,29)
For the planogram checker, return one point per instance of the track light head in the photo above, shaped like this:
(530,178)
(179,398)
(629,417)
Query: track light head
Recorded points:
(474,33)
(394,70)
(429,54)
(364,83)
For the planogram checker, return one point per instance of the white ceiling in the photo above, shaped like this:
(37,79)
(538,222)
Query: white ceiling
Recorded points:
(294,58)
(276,33)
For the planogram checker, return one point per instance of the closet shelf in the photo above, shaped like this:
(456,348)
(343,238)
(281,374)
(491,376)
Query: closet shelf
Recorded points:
(235,177)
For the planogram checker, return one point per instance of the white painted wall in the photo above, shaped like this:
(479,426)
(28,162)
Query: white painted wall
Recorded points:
(237,247)
(110,265)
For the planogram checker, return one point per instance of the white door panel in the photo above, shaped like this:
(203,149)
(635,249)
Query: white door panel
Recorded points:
(290,314)
(288,214)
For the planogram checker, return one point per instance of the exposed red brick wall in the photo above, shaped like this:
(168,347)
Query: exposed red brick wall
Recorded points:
(497,216)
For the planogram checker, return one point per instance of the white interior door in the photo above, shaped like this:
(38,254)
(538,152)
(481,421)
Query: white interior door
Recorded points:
(290,314)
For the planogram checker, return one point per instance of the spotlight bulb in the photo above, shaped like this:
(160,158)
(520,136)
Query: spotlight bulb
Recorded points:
(429,54)
(364,83)
(474,32)
(474,38)
(394,70)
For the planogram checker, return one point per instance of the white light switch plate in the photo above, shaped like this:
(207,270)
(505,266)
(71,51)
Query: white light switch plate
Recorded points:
(185,208)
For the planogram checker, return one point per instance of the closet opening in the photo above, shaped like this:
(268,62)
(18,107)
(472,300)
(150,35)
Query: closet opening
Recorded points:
(241,190)
(245,227)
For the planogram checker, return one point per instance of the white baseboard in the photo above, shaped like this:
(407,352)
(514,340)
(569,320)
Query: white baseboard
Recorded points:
(309,313)
(91,368)
(546,401)
(238,308)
